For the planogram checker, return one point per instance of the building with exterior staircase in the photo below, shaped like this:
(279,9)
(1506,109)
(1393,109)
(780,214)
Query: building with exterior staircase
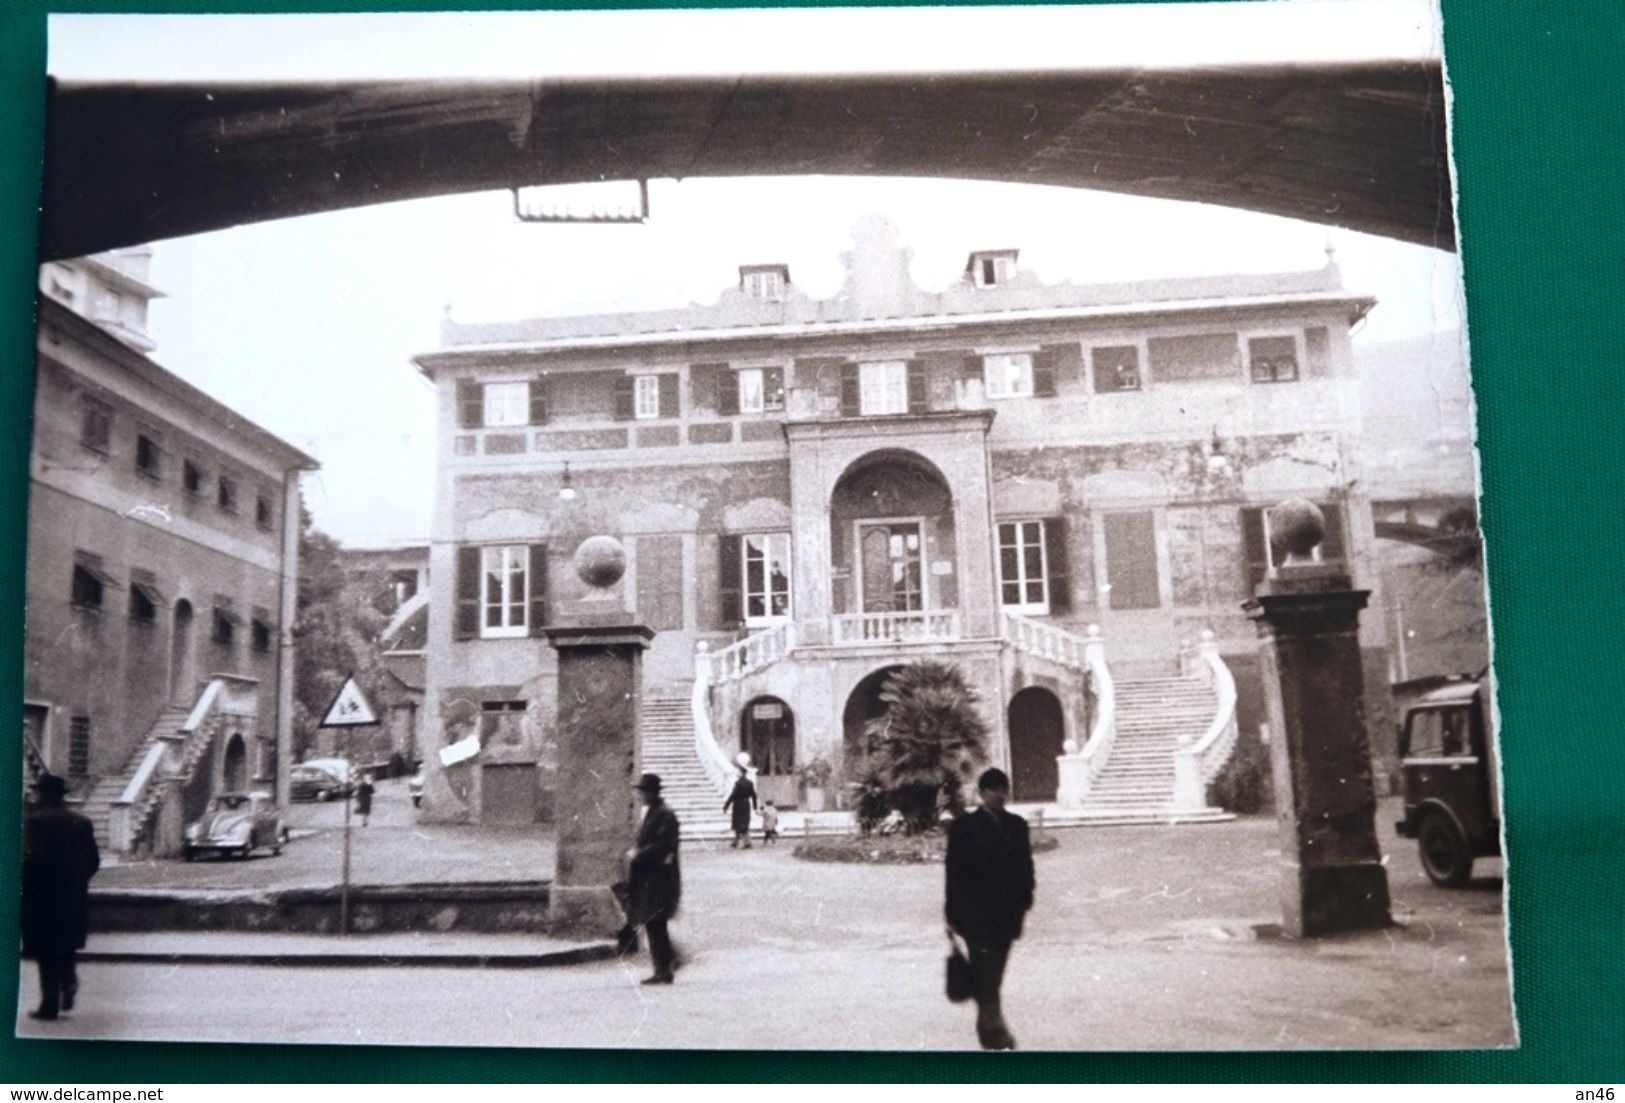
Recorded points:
(163,537)
(1060,489)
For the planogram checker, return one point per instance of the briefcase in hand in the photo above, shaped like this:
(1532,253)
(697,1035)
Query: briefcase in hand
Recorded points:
(960,987)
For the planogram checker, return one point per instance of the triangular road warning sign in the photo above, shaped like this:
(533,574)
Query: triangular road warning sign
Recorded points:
(350,709)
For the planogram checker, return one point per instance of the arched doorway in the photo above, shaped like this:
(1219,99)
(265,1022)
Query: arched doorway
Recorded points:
(1037,734)
(234,772)
(892,540)
(767,732)
(862,705)
(181,680)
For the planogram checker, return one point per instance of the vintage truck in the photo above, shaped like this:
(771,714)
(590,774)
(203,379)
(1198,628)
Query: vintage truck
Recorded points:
(1449,764)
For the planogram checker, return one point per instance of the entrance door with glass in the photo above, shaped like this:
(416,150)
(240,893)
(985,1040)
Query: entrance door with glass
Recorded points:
(892,578)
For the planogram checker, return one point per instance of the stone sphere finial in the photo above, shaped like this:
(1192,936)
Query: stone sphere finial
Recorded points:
(600,561)
(1296,527)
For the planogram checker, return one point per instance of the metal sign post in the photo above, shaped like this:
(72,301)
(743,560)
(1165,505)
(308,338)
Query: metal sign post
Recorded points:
(350,709)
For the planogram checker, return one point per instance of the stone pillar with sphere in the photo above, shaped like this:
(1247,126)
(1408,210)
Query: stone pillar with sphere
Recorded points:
(600,652)
(1308,619)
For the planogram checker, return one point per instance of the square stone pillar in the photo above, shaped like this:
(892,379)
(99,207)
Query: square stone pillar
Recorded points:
(1332,877)
(600,683)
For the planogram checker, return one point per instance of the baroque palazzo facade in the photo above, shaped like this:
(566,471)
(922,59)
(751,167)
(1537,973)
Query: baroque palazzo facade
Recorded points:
(1059,488)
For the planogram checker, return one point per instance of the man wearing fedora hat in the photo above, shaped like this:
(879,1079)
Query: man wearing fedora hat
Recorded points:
(59,857)
(655,879)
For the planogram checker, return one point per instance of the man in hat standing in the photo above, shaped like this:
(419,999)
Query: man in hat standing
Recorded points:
(59,858)
(655,879)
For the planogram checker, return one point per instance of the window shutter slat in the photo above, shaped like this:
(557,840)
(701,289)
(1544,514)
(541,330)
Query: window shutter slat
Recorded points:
(538,401)
(1332,546)
(727,393)
(1131,560)
(668,394)
(536,579)
(851,404)
(1060,569)
(916,387)
(468,594)
(1044,373)
(971,367)
(470,404)
(623,397)
(1255,554)
(730,608)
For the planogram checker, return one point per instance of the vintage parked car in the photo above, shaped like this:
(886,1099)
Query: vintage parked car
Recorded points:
(320,779)
(235,824)
(1448,755)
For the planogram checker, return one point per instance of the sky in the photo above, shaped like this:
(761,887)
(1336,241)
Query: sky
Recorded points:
(308,325)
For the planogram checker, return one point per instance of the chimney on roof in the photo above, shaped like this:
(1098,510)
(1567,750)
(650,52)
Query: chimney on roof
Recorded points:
(991,267)
(765,282)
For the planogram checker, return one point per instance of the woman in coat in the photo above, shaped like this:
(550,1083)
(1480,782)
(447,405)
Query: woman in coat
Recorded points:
(742,800)
(656,879)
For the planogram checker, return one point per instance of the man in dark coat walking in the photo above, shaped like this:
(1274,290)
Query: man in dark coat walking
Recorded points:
(59,858)
(990,888)
(656,880)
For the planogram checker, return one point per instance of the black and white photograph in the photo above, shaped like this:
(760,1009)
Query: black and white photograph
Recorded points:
(845,529)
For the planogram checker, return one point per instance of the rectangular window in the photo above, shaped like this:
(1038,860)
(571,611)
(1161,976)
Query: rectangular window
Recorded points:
(224,622)
(79,746)
(507,404)
(145,600)
(1131,560)
(226,495)
(1195,358)
(1023,567)
(751,399)
(765,582)
(1008,375)
(263,515)
(192,477)
(767,286)
(1116,368)
(148,456)
(883,387)
(1273,359)
(260,628)
(90,582)
(96,425)
(646,396)
(502,723)
(504,588)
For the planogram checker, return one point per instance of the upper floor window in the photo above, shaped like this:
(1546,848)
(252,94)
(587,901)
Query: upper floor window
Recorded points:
(224,622)
(1273,359)
(96,425)
(1023,567)
(226,494)
(145,600)
(766,282)
(79,746)
(646,396)
(883,387)
(263,514)
(506,404)
(992,269)
(765,559)
(504,578)
(89,581)
(1116,368)
(1008,374)
(192,477)
(148,456)
(502,722)
(260,630)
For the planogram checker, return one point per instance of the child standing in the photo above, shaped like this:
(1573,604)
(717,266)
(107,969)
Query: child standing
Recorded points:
(770,823)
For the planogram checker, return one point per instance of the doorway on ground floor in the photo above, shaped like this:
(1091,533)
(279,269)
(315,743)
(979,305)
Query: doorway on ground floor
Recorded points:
(767,732)
(1037,729)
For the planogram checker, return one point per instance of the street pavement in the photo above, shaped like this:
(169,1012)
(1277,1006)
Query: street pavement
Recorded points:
(1142,938)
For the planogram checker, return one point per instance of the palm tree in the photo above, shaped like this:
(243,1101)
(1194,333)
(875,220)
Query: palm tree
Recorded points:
(929,740)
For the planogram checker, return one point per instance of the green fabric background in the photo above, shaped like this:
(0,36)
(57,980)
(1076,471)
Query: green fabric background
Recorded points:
(1538,128)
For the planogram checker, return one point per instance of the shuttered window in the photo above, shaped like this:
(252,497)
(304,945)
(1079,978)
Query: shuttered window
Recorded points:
(501,591)
(1131,560)
(1010,375)
(1195,357)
